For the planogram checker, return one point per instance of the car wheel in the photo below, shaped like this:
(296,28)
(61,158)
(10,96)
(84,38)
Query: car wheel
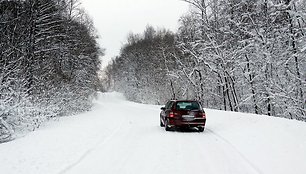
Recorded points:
(161,123)
(167,128)
(201,129)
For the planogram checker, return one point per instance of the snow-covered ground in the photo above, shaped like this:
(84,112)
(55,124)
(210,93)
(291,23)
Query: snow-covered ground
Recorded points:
(122,137)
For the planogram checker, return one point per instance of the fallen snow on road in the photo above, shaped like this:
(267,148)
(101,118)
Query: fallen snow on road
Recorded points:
(122,137)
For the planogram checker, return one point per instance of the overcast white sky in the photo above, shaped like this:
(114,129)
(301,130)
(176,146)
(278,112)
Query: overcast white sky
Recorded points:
(114,19)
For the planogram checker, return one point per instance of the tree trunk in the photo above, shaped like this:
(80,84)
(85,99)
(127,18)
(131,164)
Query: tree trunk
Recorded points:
(251,81)
(299,90)
(228,93)
(29,61)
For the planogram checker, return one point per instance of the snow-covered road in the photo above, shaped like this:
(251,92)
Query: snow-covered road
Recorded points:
(122,137)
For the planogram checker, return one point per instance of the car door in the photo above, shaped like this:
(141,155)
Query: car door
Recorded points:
(168,108)
(165,112)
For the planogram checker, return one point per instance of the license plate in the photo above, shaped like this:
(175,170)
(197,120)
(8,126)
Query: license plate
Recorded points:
(188,117)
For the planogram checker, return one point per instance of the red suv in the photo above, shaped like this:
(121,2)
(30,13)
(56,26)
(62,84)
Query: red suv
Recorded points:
(182,113)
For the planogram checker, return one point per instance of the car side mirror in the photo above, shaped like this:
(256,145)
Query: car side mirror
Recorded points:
(163,108)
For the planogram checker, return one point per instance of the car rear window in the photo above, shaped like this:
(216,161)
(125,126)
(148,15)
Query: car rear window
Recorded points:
(188,105)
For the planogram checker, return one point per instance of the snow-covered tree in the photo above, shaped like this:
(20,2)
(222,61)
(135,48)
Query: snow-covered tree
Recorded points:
(49,62)
(233,55)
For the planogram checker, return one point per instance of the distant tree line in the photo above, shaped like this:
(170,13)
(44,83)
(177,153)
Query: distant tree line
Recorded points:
(140,71)
(49,59)
(244,56)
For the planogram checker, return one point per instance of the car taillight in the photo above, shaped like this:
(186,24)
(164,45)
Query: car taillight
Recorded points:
(171,114)
(203,115)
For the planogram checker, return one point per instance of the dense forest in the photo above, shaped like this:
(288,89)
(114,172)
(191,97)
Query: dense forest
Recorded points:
(243,56)
(49,59)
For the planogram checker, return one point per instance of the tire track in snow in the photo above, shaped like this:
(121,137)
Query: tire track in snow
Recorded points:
(129,135)
(102,141)
(238,152)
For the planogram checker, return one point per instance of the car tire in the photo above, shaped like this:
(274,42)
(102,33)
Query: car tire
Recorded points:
(201,129)
(167,128)
(161,123)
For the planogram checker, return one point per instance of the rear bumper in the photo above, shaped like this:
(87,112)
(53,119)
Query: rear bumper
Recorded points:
(181,123)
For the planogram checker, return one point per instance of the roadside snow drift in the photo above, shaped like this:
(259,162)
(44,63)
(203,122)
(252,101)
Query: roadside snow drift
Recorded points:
(122,137)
